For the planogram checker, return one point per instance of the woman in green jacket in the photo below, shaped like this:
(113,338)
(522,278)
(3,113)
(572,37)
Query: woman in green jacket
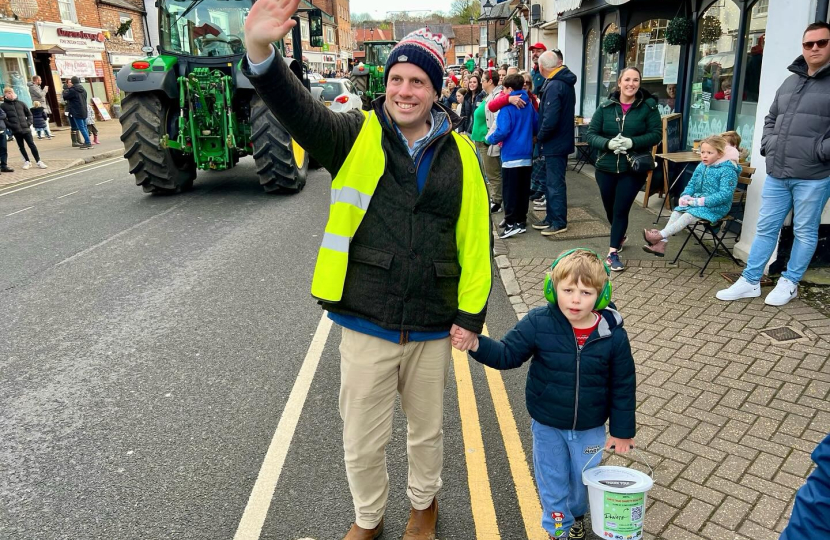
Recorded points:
(626,123)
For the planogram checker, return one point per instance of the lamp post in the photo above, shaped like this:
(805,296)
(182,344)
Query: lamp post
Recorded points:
(471,37)
(486,9)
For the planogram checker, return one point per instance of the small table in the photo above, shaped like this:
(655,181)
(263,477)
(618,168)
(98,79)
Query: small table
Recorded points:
(685,158)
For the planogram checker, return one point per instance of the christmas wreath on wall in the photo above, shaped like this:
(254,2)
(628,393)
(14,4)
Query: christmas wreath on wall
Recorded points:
(710,29)
(613,43)
(680,31)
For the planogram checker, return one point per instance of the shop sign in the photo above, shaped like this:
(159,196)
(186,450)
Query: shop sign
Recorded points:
(520,39)
(69,37)
(124,59)
(78,66)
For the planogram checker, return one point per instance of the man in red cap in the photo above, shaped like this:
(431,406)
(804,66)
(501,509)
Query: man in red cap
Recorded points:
(536,76)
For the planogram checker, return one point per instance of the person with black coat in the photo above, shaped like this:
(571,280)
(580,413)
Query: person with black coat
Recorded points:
(475,95)
(19,121)
(557,104)
(76,104)
(4,153)
(627,122)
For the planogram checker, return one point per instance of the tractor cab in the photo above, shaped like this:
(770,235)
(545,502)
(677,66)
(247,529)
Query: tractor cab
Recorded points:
(203,28)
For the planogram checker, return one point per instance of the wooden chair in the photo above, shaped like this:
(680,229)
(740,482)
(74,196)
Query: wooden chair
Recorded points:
(648,193)
(717,231)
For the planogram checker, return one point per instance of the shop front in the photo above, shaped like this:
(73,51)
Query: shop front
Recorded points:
(85,56)
(16,62)
(712,79)
(724,76)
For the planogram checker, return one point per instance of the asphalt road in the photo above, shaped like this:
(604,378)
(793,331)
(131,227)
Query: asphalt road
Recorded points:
(148,349)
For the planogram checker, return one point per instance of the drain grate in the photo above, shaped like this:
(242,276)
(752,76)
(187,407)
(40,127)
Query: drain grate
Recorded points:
(784,334)
(732,277)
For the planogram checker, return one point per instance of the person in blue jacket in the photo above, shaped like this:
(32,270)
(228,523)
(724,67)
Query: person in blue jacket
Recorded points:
(515,129)
(811,511)
(581,375)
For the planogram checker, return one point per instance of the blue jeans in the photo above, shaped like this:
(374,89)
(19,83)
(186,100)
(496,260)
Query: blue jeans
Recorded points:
(81,123)
(558,458)
(806,198)
(556,192)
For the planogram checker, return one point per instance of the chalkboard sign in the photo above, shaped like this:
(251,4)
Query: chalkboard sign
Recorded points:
(672,131)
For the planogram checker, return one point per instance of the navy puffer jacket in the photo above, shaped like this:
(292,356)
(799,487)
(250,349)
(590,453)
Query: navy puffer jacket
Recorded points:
(568,388)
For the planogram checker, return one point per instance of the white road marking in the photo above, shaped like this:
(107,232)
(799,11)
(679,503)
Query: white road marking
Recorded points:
(13,213)
(118,235)
(3,194)
(105,181)
(68,194)
(250,526)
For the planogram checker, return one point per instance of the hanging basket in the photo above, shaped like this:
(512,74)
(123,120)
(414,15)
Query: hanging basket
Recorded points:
(710,29)
(680,31)
(613,43)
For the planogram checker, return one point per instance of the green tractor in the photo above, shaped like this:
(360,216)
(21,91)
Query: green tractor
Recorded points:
(190,107)
(367,76)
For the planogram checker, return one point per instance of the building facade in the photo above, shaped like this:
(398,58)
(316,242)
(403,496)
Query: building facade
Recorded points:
(724,78)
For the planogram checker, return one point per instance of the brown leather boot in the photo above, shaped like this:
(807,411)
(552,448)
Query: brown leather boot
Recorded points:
(421,525)
(359,533)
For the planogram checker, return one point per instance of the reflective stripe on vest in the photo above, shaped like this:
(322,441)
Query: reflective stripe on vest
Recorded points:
(351,193)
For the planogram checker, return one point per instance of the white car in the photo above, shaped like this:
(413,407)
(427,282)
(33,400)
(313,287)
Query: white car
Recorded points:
(339,94)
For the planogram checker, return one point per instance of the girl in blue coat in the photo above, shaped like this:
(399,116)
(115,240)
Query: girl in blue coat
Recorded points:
(708,195)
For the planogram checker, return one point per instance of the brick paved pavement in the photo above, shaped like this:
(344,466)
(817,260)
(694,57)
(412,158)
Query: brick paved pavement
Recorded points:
(726,416)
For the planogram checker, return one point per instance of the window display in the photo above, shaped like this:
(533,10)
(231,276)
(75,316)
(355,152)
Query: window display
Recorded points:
(14,72)
(589,97)
(717,43)
(751,73)
(610,63)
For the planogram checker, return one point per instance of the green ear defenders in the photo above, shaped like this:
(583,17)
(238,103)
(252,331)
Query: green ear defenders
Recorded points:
(604,297)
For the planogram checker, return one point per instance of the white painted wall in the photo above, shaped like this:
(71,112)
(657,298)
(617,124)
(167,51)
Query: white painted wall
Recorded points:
(570,43)
(783,45)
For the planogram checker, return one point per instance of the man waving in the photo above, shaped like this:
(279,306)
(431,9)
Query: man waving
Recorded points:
(405,258)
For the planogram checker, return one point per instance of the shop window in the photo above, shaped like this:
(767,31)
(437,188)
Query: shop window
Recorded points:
(304,30)
(647,49)
(14,72)
(67,10)
(610,63)
(329,34)
(717,43)
(129,35)
(751,73)
(589,96)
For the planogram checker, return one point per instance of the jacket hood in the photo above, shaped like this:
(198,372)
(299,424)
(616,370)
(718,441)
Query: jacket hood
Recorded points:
(521,93)
(566,76)
(723,162)
(730,154)
(800,68)
(30,84)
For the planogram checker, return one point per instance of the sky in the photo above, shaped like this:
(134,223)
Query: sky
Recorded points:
(379,8)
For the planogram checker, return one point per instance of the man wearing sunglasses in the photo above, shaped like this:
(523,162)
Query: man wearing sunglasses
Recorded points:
(796,144)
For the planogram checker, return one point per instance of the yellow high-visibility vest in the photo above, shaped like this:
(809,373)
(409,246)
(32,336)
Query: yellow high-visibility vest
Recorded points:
(351,193)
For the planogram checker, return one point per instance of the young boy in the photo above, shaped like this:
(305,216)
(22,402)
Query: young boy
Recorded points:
(581,374)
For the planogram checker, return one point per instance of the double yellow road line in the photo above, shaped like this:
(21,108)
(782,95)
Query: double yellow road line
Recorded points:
(481,495)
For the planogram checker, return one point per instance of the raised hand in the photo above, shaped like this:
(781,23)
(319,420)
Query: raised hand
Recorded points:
(267,22)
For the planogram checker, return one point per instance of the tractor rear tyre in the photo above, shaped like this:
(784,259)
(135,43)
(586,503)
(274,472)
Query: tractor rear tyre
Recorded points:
(280,167)
(361,84)
(145,119)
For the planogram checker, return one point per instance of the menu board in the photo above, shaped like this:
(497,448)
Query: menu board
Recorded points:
(99,106)
(654,61)
(672,65)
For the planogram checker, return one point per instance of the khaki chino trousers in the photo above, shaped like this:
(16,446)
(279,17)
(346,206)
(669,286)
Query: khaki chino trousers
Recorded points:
(492,168)
(372,372)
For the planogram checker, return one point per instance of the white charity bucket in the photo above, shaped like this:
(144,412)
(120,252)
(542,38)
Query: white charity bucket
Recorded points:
(617,497)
